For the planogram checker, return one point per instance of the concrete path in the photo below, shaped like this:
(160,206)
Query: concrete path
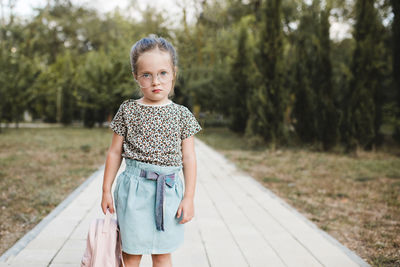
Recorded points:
(237,223)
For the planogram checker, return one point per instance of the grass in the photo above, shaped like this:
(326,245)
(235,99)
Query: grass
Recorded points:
(41,167)
(354,199)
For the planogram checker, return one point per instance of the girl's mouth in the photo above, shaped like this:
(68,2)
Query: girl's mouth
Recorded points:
(156,90)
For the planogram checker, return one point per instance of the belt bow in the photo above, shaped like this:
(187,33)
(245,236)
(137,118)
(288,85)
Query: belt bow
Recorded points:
(162,180)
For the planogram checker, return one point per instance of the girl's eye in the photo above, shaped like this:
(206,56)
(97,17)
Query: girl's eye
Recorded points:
(164,73)
(146,75)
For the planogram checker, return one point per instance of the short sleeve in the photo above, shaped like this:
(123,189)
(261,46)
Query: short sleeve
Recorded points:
(190,126)
(118,124)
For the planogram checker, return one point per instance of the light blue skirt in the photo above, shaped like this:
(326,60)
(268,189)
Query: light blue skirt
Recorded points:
(135,204)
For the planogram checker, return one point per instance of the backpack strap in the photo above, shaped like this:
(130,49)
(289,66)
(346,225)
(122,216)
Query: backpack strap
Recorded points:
(119,247)
(107,221)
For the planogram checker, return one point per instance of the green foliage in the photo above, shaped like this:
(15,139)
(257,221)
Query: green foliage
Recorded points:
(314,112)
(241,86)
(396,63)
(267,68)
(74,66)
(268,99)
(16,78)
(103,81)
(363,106)
(305,106)
(328,118)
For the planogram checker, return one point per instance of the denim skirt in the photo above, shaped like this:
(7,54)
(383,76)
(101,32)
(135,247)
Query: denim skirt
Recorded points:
(146,199)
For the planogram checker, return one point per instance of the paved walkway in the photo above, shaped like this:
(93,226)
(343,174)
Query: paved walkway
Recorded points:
(237,223)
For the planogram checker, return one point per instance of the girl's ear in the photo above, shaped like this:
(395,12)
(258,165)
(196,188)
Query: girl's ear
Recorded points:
(176,70)
(134,75)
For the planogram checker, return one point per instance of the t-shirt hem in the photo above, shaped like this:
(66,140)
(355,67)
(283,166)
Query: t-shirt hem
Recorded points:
(127,157)
(191,133)
(114,128)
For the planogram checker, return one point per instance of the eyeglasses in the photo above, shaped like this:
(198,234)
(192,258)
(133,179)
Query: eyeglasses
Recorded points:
(145,80)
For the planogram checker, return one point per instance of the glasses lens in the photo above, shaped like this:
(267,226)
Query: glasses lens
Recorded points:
(146,80)
(164,76)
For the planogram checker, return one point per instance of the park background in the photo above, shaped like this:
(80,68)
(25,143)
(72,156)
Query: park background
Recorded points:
(312,114)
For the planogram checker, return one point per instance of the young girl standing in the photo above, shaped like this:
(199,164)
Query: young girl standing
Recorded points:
(155,136)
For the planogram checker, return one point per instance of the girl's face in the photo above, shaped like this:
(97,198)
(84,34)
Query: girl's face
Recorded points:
(155,75)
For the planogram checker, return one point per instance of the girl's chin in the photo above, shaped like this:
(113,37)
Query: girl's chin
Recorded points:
(158,93)
(157,97)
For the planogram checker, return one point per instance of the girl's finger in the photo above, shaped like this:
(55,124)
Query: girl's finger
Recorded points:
(179,212)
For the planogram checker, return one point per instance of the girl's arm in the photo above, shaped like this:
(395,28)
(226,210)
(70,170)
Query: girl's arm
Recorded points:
(189,166)
(113,162)
(189,171)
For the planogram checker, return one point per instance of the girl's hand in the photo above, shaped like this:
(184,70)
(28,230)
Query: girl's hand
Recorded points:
(107,202)
(187,207)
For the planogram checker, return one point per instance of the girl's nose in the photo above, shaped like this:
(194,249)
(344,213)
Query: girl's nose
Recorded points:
(156,80)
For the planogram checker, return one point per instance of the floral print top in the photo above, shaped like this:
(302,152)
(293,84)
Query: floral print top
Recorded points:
(153,133)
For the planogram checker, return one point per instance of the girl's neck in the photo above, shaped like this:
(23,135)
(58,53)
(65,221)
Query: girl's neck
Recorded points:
(140,101)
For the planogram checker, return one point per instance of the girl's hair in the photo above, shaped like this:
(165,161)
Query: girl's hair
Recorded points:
(149,43)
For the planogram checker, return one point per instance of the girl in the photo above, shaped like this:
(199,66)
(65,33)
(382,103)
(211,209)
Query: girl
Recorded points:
(155,136)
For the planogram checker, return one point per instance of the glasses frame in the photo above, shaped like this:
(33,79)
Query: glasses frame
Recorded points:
(171,78)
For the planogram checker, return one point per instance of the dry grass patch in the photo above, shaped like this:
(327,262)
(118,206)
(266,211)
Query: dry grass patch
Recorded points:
(41,167)
(355,199)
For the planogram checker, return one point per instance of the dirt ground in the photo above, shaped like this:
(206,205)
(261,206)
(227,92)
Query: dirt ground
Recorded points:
(39,168)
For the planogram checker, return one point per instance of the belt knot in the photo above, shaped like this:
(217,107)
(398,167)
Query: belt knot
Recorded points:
(162,180)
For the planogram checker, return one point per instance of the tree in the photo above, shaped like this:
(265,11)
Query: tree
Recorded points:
(327,117)
(314,113)
(396,62)
(268,101)
(364,101)
(241,87)
(307,70)
(103,81)
(17,76)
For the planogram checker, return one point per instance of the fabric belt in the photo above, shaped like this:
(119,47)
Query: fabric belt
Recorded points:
(162,180)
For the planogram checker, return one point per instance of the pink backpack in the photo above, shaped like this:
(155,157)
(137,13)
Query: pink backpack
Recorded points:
(103,244)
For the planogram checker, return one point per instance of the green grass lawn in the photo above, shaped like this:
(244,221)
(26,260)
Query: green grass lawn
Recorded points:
(39,168)
(355,199)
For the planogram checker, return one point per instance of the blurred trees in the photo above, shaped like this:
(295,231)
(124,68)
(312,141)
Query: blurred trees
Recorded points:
(240,87)
(396,63)
(268,102)
(269,67)
(314,112)
(363,111)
